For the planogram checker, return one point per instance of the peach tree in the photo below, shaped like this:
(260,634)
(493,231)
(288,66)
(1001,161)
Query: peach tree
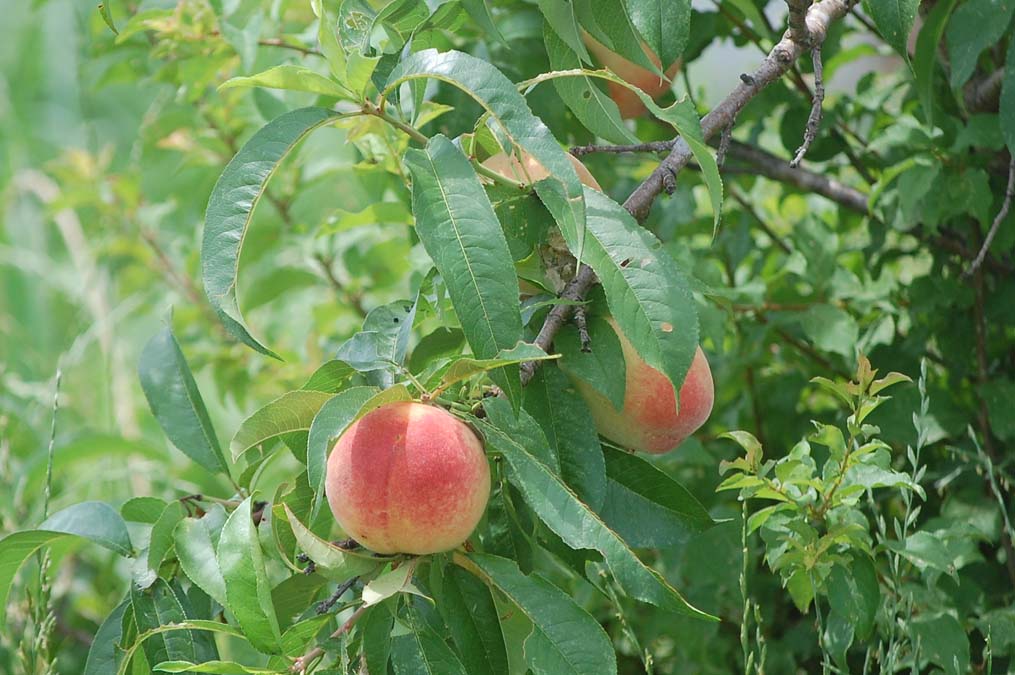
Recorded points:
(460,459)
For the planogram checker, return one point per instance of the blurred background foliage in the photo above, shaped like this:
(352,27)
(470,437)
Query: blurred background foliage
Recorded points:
(110,146)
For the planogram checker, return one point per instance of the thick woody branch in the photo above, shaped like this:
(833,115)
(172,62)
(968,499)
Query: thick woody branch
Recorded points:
(776,168)
(303,663)
(773,167)
(798,30)
(1009,193)
(778,62)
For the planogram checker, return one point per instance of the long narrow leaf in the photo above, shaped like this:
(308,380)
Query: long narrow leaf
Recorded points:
(231,208)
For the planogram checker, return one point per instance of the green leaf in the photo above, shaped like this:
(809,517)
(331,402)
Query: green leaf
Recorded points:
(942,641)
(608,21)
(291,412)
(195,551)
(975,25)
(560,18)
(471,615)
(105,653)
(523,430)
(442,343)
(15,549)
(329,377)
(107,17)
(389,584)
(292,77)
(664,24)
(299,636)
(231,208)
(465,367)
(925,57)
(683,117)
(143,509)
(561,510)
(565,639)
(248,591)
(356,21)
(175,401)
(159,606)
(384,339)
(376,627)
(215,667)
(459,229)
(853,592)
(888,380)
(421,651)
(510,111)
(332,419)
(570,430)
(894,19)
(604,367)
(191,625)
(327,37)
(96,521)
(646,507)
(593,108)
(479,10)
(332,562)
(647,293)
(926,551)
(831,329)
(160,542)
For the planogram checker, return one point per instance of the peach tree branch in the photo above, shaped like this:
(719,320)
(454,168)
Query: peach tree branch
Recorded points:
(778,62)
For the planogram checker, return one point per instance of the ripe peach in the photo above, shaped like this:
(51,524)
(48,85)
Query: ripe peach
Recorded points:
(649,420)
(649,82)
(408,478)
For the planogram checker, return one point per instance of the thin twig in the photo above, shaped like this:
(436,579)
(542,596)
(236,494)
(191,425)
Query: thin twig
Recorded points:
(301,664)
(654,146)
(581,320)
(1001,215)
(773,167)
(325,606)
(746,205)
(776,168)
(724,143)
(278,42)
(864,21)
(574,291)
(353,299)
(814,119)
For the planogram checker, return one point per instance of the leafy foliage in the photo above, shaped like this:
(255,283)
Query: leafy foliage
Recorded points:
(167,154)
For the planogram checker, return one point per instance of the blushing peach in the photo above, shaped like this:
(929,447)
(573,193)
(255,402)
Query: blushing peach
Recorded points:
(649,420)
(408,478)
(649,82)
